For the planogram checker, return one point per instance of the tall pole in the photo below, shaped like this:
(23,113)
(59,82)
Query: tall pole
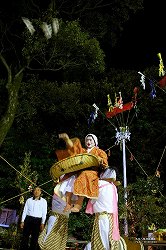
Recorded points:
(122,135)
(125,187)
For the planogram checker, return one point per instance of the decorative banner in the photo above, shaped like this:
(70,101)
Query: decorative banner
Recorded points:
(110,106)
(153,91)
(161,66)
(142,79)
(93,115)
(119,107)
(28,25)
(48,29)
(120,102)
(55,25)
(117,110)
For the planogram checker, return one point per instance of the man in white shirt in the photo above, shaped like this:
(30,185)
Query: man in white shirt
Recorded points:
(33,219)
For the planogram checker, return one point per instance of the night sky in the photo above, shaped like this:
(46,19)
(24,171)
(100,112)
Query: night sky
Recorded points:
(143,37)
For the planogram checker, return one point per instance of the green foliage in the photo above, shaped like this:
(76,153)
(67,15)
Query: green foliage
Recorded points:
(26,177)
(145,205)
(80,225)
(71,51)
(10,237)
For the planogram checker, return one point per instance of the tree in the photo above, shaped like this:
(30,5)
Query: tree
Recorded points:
(71,51)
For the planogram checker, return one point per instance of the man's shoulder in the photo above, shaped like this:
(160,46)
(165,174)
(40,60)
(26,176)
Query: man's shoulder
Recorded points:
(43,199)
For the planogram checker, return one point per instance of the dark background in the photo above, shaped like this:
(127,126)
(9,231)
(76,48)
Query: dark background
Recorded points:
(143,37)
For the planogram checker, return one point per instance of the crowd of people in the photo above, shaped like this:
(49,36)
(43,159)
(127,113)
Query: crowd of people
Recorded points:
(95,183)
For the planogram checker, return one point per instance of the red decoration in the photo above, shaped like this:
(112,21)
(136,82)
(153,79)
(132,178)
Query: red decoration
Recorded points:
(162,82)
(116,110)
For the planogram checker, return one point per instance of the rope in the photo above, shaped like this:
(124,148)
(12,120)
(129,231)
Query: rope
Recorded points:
(107,119)
(137,162)
(161,158)
(22,174)
(22,193)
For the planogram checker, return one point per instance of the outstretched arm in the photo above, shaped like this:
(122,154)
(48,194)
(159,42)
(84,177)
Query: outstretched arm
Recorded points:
(68,141)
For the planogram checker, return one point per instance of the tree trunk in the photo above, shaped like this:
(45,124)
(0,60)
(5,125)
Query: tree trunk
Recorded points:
(13,86)
(8,118)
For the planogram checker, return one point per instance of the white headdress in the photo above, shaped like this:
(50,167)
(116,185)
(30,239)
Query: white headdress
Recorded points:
(94,137)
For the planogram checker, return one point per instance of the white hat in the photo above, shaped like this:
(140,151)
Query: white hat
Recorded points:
(94,137)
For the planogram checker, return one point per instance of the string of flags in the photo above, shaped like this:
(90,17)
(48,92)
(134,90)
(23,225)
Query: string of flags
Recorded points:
(48,29)
(119,106)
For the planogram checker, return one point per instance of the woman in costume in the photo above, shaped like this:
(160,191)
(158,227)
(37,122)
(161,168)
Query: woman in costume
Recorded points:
(85,182)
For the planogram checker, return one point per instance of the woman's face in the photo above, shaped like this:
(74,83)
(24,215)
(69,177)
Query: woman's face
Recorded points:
(89,142)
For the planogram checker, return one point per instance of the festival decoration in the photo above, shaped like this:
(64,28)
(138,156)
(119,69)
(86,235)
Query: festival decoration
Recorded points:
(93,115)
(162,82)
(48,29)
(28,25)
(21,200)
(142,80)
(110,106)
(55,25)
(153,91)
(119,107)
(123,133)
(161,66)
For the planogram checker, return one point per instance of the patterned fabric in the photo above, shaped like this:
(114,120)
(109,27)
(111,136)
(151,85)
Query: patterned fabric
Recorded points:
(96,240)
(57,238)
(86,184)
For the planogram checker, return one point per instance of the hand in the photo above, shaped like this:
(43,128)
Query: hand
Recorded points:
(22,225)
(41,227)
(100,159)
(63,136)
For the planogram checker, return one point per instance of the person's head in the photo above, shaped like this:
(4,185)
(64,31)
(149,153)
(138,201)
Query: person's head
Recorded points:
(37,192)
(61,144)
(91,141)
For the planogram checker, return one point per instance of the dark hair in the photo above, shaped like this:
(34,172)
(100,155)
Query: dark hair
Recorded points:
(35,188)
(61,144)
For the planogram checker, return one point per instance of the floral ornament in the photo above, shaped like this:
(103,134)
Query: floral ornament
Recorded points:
(152,227)
(30,188)
(21,200)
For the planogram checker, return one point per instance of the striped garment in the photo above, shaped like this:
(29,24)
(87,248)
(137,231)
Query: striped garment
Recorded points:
(57,238)
(96,242)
